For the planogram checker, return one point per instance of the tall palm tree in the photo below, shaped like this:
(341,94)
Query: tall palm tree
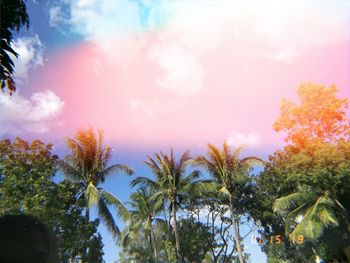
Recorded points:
(309,212)
(145,206)
(171,184)
(229,174)
(87,166)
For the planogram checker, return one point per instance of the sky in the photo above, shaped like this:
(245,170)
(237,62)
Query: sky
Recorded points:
(159,74)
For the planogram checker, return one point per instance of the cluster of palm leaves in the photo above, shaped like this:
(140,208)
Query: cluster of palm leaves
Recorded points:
(309,212)
(174,182)
(87,166)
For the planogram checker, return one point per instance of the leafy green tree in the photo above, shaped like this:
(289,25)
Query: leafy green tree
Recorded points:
(317,162)
(271,184)
(74,236)
(95,253)
(308,180)
(87,166)
(195,239)
(230,175)
(322,173)
(171,184)
(26,173)
(26,187)
(13,17)
(310,189)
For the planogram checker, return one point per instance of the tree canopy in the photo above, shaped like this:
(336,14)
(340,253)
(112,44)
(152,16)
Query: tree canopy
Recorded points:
(319,116)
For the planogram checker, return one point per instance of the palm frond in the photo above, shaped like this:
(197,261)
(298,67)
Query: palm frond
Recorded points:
(323,211)
(208,165)
(112,200)
(69,171)
(216,157)
(317,218)
(252,161)
(300,210)
(118,168)
(237,152)
(144,181)
(204,187)
(225,191)
(289,202)
(92,194)
(107,218)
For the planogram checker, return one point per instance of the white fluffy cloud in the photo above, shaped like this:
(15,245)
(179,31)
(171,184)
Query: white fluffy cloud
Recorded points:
(183,72)
(55,16)
(98,20)
(251,139)
(30,51)
(269,29)
(21,115)
(188,30)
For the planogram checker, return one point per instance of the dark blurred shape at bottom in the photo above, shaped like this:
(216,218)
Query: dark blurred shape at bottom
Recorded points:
(24,239)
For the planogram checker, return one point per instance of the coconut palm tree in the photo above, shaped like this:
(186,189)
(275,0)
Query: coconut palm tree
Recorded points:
(229,176)
(308,212)
(171,184)
(145,206)
(87,166)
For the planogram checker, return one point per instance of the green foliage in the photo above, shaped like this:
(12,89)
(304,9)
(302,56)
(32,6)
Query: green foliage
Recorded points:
(137,247)
(145,206)
(195,238)
(26,187)
(316,212)
(310,178)
(26,172)
(13,16)
(95,253)
(309,183)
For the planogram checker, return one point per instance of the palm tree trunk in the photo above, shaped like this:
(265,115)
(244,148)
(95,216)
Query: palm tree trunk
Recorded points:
(236,233)
(153,241)
(177,236)
(87,220)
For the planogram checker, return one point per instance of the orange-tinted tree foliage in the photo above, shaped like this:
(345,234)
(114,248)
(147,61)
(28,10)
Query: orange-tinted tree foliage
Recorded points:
(320,115)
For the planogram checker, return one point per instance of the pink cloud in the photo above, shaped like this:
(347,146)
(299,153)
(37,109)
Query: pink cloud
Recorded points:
(169,87)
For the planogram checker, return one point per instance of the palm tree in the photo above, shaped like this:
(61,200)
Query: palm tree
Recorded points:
(309,212)
(13,16)
(145,208)
(87,166)
(229,176)
(171,184)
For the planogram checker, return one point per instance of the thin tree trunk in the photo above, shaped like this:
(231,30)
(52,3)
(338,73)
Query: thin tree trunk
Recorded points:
(177,237)
(236,234)
(153,240)
(87,215)
(87,220)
